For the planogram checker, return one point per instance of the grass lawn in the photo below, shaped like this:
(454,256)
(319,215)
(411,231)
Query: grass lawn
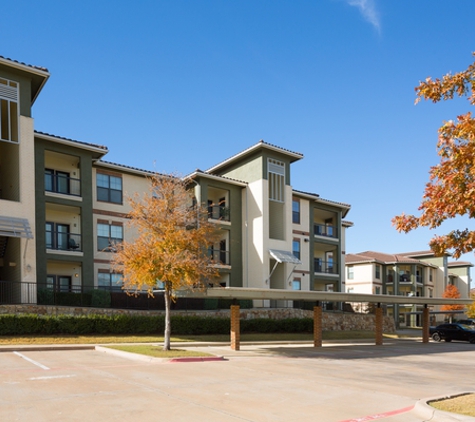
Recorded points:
(158,352)
(462,405)
(111,339)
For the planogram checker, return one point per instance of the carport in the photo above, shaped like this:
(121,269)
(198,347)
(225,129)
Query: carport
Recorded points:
(320,297)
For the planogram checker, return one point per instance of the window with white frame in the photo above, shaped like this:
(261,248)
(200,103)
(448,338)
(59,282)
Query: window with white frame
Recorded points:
(108,235)
(377,271)
(350,273)
(9,110)
(276,179)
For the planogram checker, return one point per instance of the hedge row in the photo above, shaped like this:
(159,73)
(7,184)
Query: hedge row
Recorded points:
(151,325)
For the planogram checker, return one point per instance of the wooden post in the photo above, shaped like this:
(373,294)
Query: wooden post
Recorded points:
(379,325)
(235,327)
(317,325)
(425,324)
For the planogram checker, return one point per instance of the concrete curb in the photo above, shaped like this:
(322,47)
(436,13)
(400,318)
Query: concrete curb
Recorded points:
(428,413)
(41,348)
(150,359)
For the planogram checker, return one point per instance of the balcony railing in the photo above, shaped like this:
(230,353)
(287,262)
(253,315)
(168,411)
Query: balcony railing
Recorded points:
(220,257)
(61,241)
(65,185)
(327,267)
(324,230)
(218,212)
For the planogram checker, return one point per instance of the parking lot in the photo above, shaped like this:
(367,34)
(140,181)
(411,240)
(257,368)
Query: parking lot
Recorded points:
(286,382)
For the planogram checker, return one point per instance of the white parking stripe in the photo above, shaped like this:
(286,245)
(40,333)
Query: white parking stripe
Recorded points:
(50,378)
(31,361)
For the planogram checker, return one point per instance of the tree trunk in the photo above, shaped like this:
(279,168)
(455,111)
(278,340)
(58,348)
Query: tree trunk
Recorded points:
(167,294)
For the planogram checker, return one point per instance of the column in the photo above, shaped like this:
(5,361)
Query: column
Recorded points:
(425,324)
(379,325)
(235,327)
(317,325)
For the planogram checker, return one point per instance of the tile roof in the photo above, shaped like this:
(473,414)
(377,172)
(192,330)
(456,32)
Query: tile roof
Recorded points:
(43,69)
(125,167)
(460,264)
(383,258)
(251,148)
(202,173)
(73,140)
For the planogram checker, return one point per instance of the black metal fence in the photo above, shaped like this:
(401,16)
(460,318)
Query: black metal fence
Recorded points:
(24,293)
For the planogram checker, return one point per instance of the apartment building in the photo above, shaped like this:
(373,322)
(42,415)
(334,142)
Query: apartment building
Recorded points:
(63,208)
(407,274)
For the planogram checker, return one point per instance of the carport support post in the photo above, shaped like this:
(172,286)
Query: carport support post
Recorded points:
(235,327)
(379,325)
(317,325)
(425,324)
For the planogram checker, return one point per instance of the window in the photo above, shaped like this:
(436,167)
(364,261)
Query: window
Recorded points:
(56,181)
(296,284)
(59,237)
(350,273)
(9,110)
(350,289)
(109,281)
(108,235)
(377,290)
(276,176)
(109,188)
(296,248)
(59,283)
(295,211)
(378,271)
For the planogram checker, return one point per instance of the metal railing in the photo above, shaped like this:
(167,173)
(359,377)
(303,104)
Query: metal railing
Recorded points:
(63,184)
(219,256)
(325,230)
(218,212)
(328,267)
(63,241)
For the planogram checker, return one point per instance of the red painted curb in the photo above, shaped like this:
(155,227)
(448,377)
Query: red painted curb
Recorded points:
(380,415)
(197,359)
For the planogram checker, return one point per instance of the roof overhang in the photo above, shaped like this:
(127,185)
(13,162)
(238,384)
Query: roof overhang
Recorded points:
(313,296)
(284,257)
(15,227)
(39,76)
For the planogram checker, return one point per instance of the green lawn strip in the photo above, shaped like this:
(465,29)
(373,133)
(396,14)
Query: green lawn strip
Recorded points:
(158,352)
(462,405)
(102,339)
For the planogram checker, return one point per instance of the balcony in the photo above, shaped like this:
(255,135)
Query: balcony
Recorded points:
(219,212)
(59,240)
(219,256)
(58,182)
(325,230)
(326,267)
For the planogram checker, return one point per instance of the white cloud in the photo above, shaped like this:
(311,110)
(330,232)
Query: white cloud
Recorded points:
(368,10)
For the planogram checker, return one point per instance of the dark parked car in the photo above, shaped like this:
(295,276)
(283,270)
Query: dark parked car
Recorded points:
(469,321)
(449,332)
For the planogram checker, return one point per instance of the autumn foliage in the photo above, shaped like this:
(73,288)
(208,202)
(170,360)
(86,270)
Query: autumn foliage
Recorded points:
(451,292)
(170,250)
(450,191)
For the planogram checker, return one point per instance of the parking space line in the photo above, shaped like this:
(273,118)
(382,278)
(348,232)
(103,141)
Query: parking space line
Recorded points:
(52,377)
(31,361)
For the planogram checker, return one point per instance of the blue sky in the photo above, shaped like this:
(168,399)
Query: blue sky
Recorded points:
(177,85)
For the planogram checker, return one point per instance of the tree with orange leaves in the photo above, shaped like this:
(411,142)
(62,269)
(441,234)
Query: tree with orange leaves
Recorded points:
(171,247)
(450,191)
(451,292)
